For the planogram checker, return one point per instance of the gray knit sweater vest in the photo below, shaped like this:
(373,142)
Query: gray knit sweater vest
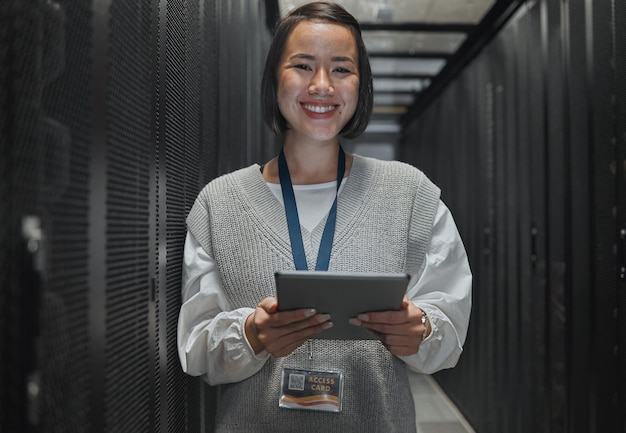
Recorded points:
(384,222)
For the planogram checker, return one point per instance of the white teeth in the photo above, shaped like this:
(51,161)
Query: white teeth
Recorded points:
(318,109)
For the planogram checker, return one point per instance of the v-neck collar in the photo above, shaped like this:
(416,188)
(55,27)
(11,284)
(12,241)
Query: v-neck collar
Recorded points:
(268,213)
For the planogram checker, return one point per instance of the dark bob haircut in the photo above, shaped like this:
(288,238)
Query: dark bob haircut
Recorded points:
(317,11)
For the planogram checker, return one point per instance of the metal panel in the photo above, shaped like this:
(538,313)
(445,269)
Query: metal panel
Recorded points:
(128,395)
(62,152)
(179,152)
(232,96)
(557,203)
(500,230)
(46,129)
(20,277)
(510,231)
(620,135)
(538,401)
(604,306)
(209,70)
(578,134)
(524,255)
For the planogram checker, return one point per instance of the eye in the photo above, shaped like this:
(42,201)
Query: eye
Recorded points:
(303,66)
(342,70)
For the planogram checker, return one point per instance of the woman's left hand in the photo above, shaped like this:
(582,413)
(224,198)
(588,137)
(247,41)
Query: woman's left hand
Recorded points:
(400,331)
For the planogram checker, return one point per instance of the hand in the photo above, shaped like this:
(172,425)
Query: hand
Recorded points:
(280,333)
(400,331)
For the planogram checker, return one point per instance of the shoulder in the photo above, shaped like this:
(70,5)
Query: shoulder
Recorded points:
(394,172)
(387,166)
(227,182)
(219,194)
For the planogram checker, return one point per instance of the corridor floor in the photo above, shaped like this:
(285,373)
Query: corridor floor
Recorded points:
(434,411)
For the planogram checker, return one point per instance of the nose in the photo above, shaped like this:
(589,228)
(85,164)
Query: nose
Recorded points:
(321,84)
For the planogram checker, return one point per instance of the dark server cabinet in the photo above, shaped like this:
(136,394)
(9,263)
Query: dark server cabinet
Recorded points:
(620,176)
(537,152)
(111,121)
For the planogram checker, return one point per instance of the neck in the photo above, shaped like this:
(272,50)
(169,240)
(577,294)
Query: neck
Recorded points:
(308,164)
(312,164)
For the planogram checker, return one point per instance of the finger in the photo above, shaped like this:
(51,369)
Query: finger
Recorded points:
(289,349)
(392,329)
(285,323)
(408,313)
(304,325)
(269,306)
(390,317)
(285,318)
(297,339)
(286,344)
(284,331)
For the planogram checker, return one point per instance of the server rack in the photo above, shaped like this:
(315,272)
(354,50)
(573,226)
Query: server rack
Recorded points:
(537,154)
(113,115)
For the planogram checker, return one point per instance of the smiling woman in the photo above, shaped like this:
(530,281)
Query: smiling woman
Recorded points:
(316,207)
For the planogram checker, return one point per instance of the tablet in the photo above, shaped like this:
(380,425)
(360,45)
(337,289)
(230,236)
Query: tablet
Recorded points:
(342,295)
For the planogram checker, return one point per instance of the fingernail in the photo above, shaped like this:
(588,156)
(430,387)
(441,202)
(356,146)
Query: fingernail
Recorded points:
(363,317)
(310,312)
(327,325)
(323,318)
(355,322)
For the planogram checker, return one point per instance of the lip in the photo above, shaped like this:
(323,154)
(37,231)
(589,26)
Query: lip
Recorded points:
(319,110)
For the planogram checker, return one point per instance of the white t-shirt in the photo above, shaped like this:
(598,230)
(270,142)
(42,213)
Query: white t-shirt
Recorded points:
(313,201)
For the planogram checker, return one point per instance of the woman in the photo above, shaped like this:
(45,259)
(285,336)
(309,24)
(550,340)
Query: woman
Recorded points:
(384,217)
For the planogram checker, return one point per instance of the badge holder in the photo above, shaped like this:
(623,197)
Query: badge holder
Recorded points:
(311,390)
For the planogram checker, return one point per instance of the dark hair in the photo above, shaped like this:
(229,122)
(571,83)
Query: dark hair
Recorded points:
(317,11)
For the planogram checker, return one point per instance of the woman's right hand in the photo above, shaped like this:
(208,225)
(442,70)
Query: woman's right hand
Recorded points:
(281,332)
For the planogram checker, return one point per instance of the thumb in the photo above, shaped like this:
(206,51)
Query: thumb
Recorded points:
(269,304)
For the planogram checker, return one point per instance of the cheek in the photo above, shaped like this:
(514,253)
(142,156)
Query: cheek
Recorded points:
(287,86)
(354,91)
(355,88)
(282,94)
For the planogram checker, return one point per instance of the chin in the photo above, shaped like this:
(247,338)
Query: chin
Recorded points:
(324,135)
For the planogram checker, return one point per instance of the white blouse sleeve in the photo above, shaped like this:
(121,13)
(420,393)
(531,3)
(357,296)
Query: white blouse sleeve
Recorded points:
(211,336)
(443,290)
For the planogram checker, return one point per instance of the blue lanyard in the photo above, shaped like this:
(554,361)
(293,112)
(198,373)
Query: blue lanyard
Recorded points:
(293,221)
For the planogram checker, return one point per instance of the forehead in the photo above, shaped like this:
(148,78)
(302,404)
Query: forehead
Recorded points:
(319,38)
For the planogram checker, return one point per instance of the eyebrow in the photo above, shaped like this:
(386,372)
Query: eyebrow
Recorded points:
(333,59)
(343,59)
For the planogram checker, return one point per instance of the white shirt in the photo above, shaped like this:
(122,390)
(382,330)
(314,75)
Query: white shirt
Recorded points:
(313,201)
(211,336)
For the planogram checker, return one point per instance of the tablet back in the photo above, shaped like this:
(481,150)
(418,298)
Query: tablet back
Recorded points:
(342,295)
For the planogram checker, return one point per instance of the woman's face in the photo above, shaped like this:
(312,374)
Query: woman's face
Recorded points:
(318,79)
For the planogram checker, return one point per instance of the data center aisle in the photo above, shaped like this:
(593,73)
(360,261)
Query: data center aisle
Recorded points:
(434,411)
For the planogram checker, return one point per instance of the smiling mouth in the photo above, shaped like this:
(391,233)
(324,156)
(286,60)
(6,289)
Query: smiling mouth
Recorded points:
(319,109)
